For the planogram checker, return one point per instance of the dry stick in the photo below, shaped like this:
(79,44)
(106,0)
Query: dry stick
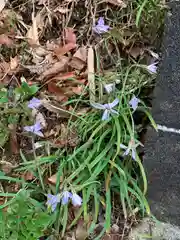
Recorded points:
(91,76)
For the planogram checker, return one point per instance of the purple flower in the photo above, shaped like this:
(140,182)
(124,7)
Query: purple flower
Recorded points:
(110,87)
(108,108)
(101,27)
(34,129)
(52,201)
(131,149)
(76,200)
(152,68)
(134,102)
(34,103)
(65,197)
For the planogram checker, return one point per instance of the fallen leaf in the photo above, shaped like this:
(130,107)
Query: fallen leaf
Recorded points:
(81,54)
(64,49)
(40,118)
(136,52)
(2,4)
(53,179)
(62,77)
(77,90)
(5,40)
(119,3)
(76,63)
(32,33)
(28,176)
(81,231)
(56,68)
(6,167)
(56,109)
(14,62)
(70,36)
(41,67)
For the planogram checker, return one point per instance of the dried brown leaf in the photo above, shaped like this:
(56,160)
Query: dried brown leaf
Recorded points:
(2,4)
(77,90)
(6,167)
(76,63)
(41,119)
(81,231)
(28,176)
(5,40)
(14,62)
(70,36)
(32,33)
(64,49)
(136,52)
(56,109)
(56,68)
(53,179)
(63,77)
(81,54)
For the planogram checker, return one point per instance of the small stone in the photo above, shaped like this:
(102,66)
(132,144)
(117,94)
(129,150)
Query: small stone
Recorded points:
(155,230)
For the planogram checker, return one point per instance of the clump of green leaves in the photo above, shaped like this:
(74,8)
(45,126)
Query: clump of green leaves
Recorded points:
(13,108)
(24,219)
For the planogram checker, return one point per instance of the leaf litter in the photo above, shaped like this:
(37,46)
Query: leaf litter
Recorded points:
(56,48)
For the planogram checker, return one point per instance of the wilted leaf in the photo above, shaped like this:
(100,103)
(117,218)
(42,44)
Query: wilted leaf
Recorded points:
(28,176)
(62,77)
(56,109)
(81,54)
(56,68)
(70,36)
(76,63)
(5,40)
(6,167)
(136,52)
(53,179)
(14,62)
(64,49)
(32,33)
(40,118)
(81,231)
(77,90)
(2,4)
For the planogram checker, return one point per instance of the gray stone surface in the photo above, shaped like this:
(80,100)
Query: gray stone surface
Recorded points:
(162,150)
(154,230)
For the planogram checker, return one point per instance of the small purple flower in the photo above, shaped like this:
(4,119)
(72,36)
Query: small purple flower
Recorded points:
(108,108)
(101,27)
(35,129)
(110,87)
(52,201)
(152,68)
(76,200)
(65,197)
(134,102)
(34,103)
